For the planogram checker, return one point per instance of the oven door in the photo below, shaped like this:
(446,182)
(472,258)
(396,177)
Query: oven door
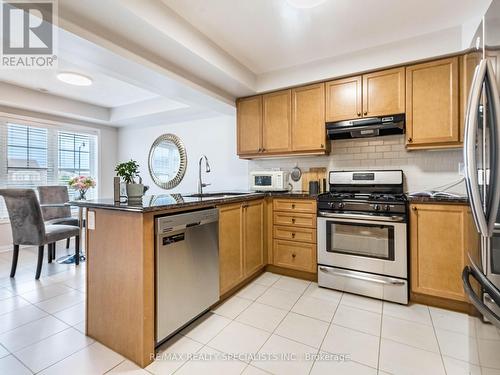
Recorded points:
(363,245)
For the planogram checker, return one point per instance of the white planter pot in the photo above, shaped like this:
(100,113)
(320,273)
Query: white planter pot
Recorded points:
(135,191)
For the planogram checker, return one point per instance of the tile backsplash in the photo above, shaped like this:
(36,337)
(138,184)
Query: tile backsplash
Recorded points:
(423,170)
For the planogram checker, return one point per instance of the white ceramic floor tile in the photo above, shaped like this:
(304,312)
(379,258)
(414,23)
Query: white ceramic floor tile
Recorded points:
(239,338)
(44,293)
(396,358)
(16,318)
(279,298)
(5,293)
(267,279)
(489,371)
(80,326)
(173,354)
(72,315)
(415,312)
(291,284)
(61,302)
(53,349)
(299,364)
(93,359)
(322,309)
(3,352)
(128,368)
(251,370)
(262,316)
(360,320)
(458,346)
(30,333)
(12,304)
(453,321)
(303,329)
(407,332)
(10,365)
(487,331)
(212,364)
(360,347)
(313,290)
(360,302)
(232,307)
(456,367)
(206,327)
(252,291)
(489,353)
(341,367)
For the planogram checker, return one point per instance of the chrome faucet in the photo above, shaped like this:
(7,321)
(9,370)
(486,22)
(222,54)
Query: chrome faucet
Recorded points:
(201,185)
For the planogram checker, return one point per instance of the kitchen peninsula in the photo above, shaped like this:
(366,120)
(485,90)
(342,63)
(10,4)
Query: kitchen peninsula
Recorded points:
(120,253)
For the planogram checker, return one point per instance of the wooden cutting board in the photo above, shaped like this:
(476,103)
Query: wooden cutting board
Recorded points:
(314,174)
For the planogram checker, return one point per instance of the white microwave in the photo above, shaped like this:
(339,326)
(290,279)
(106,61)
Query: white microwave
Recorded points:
(269,181)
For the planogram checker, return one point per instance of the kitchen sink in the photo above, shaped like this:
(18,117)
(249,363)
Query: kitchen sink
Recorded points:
(216,195)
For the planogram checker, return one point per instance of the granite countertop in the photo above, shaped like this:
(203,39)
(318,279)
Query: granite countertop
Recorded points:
(160,202)
(439,199)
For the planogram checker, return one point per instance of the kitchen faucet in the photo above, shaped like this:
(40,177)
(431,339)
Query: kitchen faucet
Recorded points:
(201,185)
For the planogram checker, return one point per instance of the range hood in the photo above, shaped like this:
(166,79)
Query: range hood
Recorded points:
(366,127)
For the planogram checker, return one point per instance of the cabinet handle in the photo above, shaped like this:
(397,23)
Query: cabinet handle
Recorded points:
(322,146)
(414,208)
(293,205)
(410,140)
(263,149)
(365,113)
(294,255)
(293,235)
(359,114)
(293,220)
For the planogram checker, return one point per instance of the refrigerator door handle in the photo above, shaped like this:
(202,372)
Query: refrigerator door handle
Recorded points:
(470,160)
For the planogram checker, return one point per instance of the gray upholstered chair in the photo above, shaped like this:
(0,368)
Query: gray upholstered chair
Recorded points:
(56,195)
(28,227)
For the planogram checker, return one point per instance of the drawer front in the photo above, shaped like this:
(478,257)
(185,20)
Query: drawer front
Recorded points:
(295,234)
(295,255)
(295,205)
(292,219)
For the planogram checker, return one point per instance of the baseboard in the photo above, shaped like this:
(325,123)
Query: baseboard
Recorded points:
(292,273)
(444,303)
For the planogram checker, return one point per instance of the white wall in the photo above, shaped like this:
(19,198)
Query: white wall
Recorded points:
(423,170)
(215,137)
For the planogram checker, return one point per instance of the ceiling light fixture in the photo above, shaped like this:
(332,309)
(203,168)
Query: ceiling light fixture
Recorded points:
(305,4)
(75,79)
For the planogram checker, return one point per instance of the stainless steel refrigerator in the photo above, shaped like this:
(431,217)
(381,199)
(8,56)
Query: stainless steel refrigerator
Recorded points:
(481,278)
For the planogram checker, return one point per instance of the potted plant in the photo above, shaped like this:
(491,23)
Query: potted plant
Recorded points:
(128,172)
(82,184)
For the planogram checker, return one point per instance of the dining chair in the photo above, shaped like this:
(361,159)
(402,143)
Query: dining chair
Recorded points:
(28,227)
(56,196)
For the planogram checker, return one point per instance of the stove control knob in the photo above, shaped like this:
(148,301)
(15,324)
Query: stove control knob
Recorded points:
(331,204)
(376,207)
(387,207)
(341,205)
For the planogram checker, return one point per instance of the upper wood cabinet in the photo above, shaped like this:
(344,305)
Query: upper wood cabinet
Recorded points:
(384,92)
(494,57)
(432,105)
(308,118)
(276,123)
(468,63)
(343,99)
(441,235)
(373,94)
(249,117)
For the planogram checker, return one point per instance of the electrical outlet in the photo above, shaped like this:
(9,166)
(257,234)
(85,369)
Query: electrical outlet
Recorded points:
(461,169)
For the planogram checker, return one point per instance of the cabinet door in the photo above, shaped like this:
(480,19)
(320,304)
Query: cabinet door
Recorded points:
(494,57)
(230,247)
(468,63)
(249,118)
(295,255)
(277,111)
(308,118)
(439,238)
(253,236)
(384,92)
(343,99)
(432,117)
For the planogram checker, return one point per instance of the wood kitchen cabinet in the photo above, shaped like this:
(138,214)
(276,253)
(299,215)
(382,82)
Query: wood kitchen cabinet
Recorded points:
(432,104)
(276,125)
(308,118)
(373,94)
(468,63)
(241,242)
(440,237)
(249,117)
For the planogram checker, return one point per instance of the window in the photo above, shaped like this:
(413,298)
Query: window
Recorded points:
(33,155)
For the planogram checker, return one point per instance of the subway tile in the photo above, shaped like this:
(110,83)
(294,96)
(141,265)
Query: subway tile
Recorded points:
(354,150)
(383,148)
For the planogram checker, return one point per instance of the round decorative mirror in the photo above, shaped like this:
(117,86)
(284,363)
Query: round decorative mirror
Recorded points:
(167,161)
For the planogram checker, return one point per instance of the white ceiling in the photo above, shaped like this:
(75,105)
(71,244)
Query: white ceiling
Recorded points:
(268,35)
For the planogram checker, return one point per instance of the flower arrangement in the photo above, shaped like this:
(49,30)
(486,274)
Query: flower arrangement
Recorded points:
(82,184)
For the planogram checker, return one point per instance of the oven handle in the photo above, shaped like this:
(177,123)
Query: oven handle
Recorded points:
(379,280)
(361,217)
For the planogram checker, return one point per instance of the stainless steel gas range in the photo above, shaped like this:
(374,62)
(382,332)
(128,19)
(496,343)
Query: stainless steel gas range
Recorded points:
(362,234)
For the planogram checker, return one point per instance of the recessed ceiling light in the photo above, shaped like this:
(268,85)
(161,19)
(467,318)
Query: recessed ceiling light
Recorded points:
(305,4)
(74,79)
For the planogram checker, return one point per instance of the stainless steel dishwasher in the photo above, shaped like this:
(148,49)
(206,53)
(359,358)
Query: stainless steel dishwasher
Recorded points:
(187,268)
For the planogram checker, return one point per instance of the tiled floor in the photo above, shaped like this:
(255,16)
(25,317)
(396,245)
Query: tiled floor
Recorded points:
(276,325)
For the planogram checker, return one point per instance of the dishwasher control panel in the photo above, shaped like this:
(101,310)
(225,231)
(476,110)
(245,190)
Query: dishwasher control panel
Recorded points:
(175,222)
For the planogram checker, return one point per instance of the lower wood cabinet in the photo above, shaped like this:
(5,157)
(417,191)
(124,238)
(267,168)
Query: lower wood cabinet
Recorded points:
(295,255)
(241,242)
(440,237)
